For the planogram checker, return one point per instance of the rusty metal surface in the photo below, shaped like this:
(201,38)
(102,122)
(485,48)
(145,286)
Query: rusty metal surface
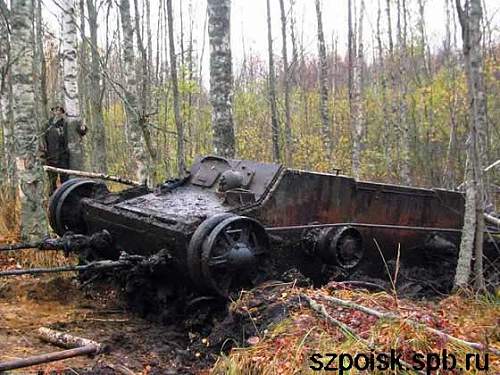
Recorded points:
(288,203)
(186,204)
(387,216)
(303,198)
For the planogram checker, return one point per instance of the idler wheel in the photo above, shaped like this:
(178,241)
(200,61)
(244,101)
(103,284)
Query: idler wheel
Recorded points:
(342,247)
(194,248)
(233,253)
(64,206)
(54,198)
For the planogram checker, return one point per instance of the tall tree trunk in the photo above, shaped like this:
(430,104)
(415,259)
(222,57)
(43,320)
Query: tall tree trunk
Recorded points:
(181,165)
(29,171)
(142,69)
(221,76)
(286,88)
(391,66)
(404,133)
(356,99)
(149,41)
(350,52)
(386,138)
(472,232)
(323,87)
(295,53)
(40,66)
(426,54)
(83,72)
(96,95)
(131,106)
(6,121)
(70,85)
(275,127)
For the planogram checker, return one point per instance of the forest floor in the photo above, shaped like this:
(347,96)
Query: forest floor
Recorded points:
(136,346)
(269,330)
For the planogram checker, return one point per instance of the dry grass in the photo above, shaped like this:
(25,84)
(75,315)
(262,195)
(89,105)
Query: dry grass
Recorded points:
(286,347)
(10,232)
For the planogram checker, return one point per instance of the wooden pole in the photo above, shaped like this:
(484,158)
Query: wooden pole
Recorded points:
(65,340)
(104,264)
(46,358)
(101,176)
(78,346)
(492,219)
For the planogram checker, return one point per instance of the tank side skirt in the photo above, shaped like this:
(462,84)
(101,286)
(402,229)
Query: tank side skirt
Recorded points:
(362,225)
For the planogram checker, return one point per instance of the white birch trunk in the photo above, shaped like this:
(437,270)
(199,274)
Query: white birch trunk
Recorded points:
(275,126)
(131,106)
(323,87)
(70,85)
(96,92)
(357,119)
(472,232)
(29,171)
(286,88)
(221,76)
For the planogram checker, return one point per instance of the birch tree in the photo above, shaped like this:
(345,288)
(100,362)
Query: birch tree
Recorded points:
(29,171)
(471,246)
(275,127)
(221,76)
(356,98)
(181,165)
(286,87)
(96,92)
(70,85)
(403,126)
(131,105)
(323,85)
(6,160)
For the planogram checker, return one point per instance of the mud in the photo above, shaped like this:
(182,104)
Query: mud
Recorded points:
(96,312)
(155,324)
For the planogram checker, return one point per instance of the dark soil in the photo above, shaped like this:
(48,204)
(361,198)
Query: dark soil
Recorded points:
(153,324)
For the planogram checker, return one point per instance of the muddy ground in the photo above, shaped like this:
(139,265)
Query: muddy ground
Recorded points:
(136,345)
(148,334)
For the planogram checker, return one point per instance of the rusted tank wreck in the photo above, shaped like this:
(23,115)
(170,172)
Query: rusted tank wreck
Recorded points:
(232,223)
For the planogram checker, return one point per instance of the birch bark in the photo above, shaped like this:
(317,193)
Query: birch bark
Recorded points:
(29,171)
(96,92)
(221,76)
(181,165)
(357,105)
(472,233)
(70,85)
(323,86)
(131,105)
(286,88)
(275,126)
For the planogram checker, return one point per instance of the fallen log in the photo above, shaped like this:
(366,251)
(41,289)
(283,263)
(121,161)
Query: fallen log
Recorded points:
(492,219)
(65,340)
(100,176)
(77,346)
(346,330)
(392,316)
(46,358)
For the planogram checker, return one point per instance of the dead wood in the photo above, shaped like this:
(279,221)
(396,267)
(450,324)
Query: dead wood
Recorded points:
(101,176)
(320,309)
(391,316)
(46,358)
(65,340)
(492,219)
